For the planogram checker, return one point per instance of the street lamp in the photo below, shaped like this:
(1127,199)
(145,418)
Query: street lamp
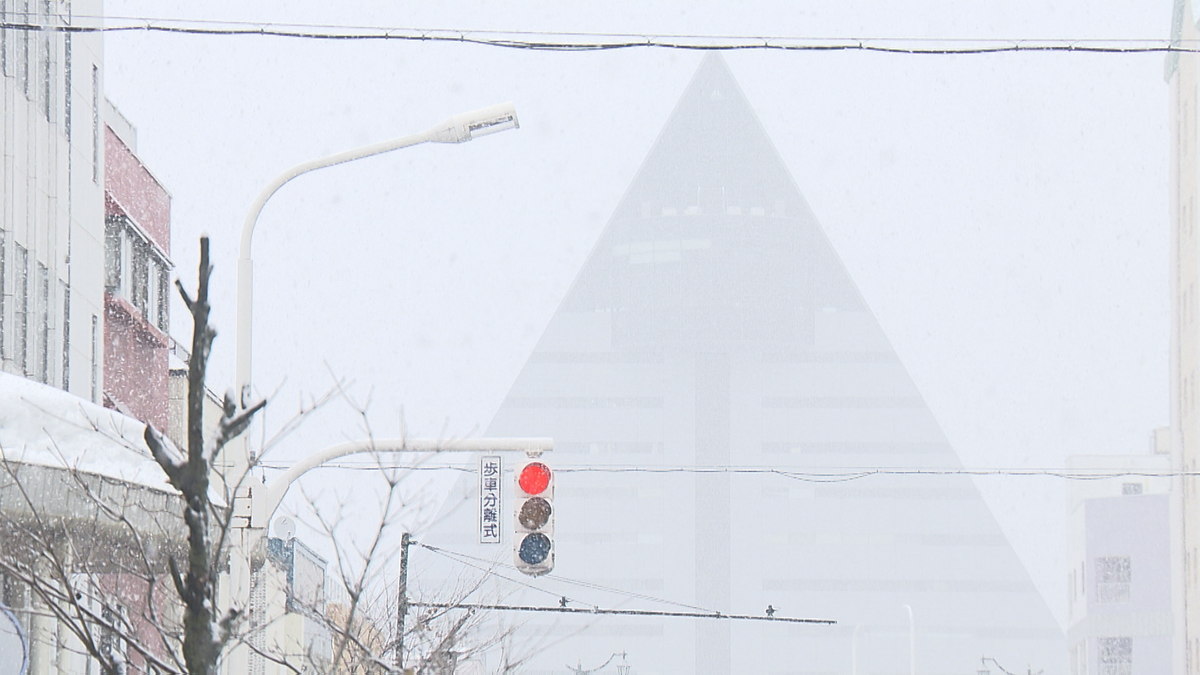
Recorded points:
(250,510)
(457,129)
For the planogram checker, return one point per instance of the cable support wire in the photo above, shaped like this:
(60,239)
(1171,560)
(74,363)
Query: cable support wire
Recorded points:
(830,475)
(490,570)
(577,582)
(622,612)
(699,613)
(567,41)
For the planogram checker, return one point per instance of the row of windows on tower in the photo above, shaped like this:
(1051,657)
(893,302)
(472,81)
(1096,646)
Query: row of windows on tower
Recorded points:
(714,203)
(29,309)
(30,56)
(136,272)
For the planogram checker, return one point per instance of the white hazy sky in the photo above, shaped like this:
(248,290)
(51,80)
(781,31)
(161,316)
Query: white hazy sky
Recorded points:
(1005,216)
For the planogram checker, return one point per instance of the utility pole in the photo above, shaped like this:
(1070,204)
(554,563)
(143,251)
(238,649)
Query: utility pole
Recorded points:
(402,604)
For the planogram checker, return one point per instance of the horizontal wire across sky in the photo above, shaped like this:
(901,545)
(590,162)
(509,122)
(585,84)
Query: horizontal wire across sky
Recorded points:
(833,475)
(585,41)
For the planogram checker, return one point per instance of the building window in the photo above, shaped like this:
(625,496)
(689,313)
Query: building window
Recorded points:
(1079,658)
(41,362)
(1116,656)
(23,47)
(5,343)
(95,124)
(67,82)
(65,292)
(21,310)
(112,642)
(135,271)
(1113,579)
(6,37)
(95,359)
(139,254)
(46,72)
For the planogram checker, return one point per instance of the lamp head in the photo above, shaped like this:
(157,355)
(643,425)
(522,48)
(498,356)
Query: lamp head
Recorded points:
(464,127)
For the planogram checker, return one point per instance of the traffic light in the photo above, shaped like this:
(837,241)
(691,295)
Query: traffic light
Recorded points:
(533,519)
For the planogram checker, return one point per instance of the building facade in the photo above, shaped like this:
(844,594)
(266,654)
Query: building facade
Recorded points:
(137,286)
(85,233)
(51,184)
(84,261)
(1119,599)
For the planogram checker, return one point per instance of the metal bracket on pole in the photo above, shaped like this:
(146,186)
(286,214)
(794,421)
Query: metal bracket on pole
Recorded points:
(266,501)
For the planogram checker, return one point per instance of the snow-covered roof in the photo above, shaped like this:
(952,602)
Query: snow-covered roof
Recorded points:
(46,426)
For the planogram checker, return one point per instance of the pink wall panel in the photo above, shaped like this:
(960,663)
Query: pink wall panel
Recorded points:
(136,192)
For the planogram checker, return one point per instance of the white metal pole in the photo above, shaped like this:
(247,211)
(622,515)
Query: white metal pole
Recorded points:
(854,650)
(912,642)
(245,277)
(266,505)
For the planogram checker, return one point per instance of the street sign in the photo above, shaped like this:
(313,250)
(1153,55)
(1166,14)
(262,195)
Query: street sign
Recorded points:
(490,498)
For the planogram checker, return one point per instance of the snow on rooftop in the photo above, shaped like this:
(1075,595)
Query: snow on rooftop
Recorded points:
(42,425)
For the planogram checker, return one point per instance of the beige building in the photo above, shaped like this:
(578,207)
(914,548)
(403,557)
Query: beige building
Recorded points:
(1181,73)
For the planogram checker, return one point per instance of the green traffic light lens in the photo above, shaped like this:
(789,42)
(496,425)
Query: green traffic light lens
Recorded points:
(535,548)
(534,513)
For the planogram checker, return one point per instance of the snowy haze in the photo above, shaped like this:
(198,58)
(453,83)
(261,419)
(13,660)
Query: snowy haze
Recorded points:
(1005,216)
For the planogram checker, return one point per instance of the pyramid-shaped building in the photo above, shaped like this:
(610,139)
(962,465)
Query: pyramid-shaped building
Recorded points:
(712,334)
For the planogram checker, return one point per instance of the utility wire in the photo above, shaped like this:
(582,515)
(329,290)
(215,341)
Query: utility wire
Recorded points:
(490,571)
(462,558)
(832,475)
(583,41)
(624,612)
(584,584)
(700,612)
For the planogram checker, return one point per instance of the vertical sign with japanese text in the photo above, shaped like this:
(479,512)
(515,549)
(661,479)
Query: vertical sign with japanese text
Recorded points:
(490,469)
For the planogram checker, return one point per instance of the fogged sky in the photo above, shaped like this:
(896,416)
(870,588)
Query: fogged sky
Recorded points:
(1004,216)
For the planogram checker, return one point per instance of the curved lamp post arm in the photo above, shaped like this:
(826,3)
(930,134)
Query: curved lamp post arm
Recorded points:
(312,165)
(265,507)
(457,129)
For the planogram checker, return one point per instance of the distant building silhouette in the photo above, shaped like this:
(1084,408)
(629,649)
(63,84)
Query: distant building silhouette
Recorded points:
(714,327)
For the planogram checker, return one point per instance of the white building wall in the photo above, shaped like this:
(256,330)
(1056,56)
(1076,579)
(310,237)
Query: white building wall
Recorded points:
(52,220)
(1125,518)
(51,183)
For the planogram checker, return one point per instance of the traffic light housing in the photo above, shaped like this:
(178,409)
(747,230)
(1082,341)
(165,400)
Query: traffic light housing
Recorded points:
(533,518)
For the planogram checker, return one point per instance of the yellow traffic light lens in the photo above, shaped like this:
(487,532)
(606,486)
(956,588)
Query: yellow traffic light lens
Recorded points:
(534,513)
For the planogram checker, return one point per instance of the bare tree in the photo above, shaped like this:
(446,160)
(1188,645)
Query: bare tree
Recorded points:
(204,636)
(127,573)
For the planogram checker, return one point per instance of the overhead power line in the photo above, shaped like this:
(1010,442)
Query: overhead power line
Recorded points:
(828,475)
(568,41)
(698,613)
(623,612)
(463,558)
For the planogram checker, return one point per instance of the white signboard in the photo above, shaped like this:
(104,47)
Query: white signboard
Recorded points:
(490,472)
